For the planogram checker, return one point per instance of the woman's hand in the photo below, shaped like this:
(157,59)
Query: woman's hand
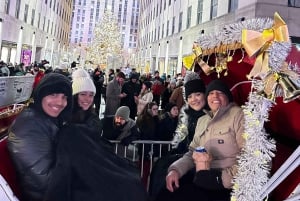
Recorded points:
(202,160)
(172,180)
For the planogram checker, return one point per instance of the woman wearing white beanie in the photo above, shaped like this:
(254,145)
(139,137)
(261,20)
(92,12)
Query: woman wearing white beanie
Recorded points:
(87,167)
(83,96)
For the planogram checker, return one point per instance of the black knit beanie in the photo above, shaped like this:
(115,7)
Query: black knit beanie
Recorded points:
(193,86)
(54,83)
(148,84)
(169,106)
(220,86)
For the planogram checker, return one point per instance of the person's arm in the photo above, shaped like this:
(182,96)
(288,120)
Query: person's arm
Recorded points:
(224,176)
(182,130)
(183,165)
(174,96)
(177,170)
(134,135)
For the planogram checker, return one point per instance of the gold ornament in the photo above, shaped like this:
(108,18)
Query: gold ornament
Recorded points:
(275,80)
(188,61)
(245,136)
(221,63)
(256,43)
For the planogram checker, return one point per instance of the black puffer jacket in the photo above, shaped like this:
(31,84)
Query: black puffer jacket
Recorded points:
(31,142)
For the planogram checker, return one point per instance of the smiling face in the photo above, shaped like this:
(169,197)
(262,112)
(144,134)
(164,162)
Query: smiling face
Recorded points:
(54,104)
(196,101)
(217,99)
(85,99)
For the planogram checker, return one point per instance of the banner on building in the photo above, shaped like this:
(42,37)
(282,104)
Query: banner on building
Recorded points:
(26,57)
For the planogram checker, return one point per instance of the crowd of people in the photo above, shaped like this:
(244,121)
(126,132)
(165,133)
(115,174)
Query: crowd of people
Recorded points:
(62,150)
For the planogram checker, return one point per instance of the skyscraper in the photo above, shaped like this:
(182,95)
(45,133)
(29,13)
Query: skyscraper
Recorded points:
(87,13)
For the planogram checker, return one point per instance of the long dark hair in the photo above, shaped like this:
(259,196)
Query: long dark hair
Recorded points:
(146,115)
(78,114)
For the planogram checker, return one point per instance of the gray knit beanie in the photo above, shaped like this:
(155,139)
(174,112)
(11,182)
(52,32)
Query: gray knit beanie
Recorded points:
(123,112)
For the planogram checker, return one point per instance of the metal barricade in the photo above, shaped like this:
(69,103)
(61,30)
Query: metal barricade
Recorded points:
(131,153)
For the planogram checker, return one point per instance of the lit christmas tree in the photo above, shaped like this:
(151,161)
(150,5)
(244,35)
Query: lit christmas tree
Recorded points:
(106,42)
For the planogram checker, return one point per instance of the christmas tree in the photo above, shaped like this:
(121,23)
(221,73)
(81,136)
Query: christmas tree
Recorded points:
(106,43)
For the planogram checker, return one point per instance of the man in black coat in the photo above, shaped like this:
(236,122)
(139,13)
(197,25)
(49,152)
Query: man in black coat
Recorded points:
(122,128)
(131,88)
(98,79)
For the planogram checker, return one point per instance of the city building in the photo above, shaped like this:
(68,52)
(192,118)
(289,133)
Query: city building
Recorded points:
(34,30)
(87,13)
(167,29)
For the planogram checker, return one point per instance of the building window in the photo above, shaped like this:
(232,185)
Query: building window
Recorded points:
(26,12)
(214,9)
(44,23)
(158,32)
(52,28)
(189,16)
(233,5)
(167,28)
(199,11)
(39,20)
(18,4)
(294,3)
(173,25)
(48,25)
(6,6)
(160,7)
(180,22)
(54,5)
(32,16)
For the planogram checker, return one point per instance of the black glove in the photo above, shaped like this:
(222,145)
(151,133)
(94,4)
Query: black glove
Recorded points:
(209,179)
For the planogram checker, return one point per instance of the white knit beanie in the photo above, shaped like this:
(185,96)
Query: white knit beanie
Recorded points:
(82,82)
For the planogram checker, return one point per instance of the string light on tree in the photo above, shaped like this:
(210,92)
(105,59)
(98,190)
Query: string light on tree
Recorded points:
(106,41)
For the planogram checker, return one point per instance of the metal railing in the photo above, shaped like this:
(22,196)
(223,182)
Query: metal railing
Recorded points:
(157,149)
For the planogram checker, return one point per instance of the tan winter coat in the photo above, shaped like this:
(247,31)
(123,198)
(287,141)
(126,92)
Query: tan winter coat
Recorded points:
(221,135)
(143,100)
(177,97)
